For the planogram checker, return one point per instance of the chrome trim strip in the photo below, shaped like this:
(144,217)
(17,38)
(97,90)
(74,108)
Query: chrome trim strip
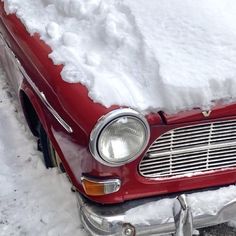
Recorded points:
(44,100)
(41,95)
(55,114)
(192,149)
(47,104)
(1,37)
(104,121)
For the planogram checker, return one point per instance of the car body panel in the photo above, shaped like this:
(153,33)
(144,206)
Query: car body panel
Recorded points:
(220,111)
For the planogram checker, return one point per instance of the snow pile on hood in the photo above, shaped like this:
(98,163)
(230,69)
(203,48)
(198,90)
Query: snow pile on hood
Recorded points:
(149,55)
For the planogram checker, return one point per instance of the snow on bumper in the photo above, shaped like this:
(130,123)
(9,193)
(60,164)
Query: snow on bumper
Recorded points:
(160,215)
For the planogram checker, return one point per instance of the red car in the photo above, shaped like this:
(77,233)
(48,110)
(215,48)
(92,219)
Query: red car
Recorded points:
(160,156)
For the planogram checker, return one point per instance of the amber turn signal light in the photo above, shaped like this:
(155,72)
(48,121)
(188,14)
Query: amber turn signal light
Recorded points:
(94,187)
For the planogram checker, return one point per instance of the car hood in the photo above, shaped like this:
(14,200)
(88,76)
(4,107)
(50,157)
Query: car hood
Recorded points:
(197,114)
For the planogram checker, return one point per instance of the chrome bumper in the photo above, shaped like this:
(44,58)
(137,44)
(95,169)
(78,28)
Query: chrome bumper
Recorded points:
(160,215)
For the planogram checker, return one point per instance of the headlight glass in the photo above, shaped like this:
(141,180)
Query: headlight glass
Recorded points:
(122,140)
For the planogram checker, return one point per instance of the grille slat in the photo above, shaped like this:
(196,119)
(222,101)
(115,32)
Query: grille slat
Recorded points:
(162,160)
(194,139)
(225,151)
(187,144)
(160,149)
(186,164)
(214,139)
(227,163)
(191,149)
(189,133)
(179,169)
(224,135)
(223,129)
(179,172)
(162,142)
(193,129)
(222,157)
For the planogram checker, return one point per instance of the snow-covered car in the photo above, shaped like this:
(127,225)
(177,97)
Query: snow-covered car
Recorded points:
(134,172)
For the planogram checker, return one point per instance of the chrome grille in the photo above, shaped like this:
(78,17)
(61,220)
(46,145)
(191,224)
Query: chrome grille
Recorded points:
(191,149)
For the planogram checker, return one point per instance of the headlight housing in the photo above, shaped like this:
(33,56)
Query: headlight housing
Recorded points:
(119,137)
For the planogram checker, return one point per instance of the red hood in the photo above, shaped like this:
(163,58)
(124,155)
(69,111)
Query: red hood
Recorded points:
(219,111)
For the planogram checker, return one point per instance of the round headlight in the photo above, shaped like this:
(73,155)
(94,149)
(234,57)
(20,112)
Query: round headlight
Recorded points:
(120,137)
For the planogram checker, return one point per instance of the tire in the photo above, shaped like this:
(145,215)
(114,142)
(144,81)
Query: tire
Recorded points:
(51,158)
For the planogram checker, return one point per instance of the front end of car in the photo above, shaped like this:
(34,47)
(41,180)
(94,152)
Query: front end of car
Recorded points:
(168,166)
(135,174)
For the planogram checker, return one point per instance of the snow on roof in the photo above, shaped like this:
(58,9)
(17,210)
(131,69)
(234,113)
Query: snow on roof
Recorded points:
(153,55)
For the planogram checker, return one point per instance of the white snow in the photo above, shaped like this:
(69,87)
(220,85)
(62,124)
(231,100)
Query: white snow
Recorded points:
(33,200)
(153,55)
(150,55)
(207,203)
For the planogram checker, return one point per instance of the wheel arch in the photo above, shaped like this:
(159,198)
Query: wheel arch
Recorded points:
(35,115)
(33,111)
(30,114)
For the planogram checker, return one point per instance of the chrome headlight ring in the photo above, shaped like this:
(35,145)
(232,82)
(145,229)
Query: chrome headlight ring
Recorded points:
(111,129)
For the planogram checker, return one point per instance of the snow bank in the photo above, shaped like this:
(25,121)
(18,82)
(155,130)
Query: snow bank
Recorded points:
(150,55)
(33,200)
(206,203)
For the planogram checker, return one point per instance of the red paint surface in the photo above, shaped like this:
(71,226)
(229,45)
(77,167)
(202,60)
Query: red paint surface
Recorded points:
(71,101)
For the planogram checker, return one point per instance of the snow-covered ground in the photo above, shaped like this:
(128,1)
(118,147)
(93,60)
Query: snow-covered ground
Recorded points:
(34,201)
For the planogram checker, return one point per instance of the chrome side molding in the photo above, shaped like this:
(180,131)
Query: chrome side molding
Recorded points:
(40,94)
(1,39)
(43,98)
(55,114)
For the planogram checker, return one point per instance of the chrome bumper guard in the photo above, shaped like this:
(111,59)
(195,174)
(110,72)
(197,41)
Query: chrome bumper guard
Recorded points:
(178,215)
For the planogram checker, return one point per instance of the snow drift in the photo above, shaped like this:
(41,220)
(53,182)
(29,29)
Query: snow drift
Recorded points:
(33,200)
(149,55)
